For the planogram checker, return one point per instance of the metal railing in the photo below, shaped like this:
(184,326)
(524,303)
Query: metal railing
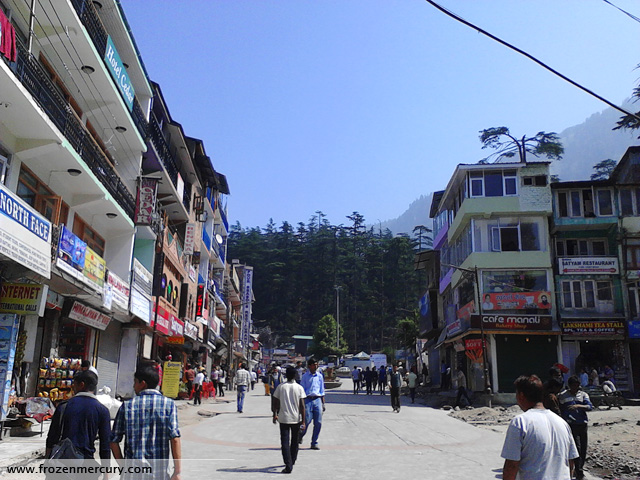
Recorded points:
(186,197)
(161,147)
(89,17)
(35,79)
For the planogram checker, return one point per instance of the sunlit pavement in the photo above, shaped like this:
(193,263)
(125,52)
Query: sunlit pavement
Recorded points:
(361,437)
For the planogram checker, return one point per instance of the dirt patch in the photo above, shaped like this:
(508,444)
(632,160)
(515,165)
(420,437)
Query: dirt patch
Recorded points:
(614,437)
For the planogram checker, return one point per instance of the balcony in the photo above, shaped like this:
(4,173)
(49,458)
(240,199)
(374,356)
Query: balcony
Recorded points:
(225,222)
(206,239)
(186,197)
(36,81)
(91,21)
(161,147)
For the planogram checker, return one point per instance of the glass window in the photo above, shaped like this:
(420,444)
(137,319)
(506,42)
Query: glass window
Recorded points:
(604,291)
(566,294)
(589,294)
(530,236)
(509,239)
(587,197)
(637,202)
(599,247)
(584,247)
(510,182)
(626,202)
(572,248)
(562,204)
(560,248)
(476,187)
(577,294)
(575,204)
(605,206)
(493,185)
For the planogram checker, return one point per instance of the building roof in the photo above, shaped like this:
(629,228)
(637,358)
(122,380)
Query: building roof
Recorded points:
(302,337)
(435,203)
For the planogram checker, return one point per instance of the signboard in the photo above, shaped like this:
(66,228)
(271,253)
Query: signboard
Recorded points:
(119,73)
(473,344)
(465,312)
(171,379)
(54,300)
(9,326)
(634,328)
(175,340)
(246,304)
(23,298)
(588,265)
(516,301)
(200,301)
(145,200)
(94,270)
(189,238)
(453,328)
(190,330)
(177,326)
(89,316)
(119,289)
(25,235)
(594,328)
(164,323)
(512,322)
(141,285)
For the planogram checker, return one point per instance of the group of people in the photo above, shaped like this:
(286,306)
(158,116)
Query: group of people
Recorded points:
(378,379)
(549,440)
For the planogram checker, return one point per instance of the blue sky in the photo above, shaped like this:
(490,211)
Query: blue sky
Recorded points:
(364,105)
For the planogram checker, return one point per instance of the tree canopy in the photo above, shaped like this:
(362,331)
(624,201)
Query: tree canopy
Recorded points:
(542,144)
(603,169)
(324,338)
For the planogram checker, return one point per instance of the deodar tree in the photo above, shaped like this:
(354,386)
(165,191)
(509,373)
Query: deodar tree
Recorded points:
(542,144)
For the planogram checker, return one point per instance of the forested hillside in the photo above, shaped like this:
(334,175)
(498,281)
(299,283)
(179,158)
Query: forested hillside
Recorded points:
(297,268)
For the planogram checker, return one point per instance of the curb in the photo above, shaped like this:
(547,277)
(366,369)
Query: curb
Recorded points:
(24,458)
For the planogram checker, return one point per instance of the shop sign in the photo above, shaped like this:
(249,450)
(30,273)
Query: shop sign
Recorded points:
(211,338)
(458,346)
(516,301)
(177,326)
(190,330)
(89,316)
(142,278)
(453,328)
(171,379)
(141,285)
(594,328)
(120,290)
(94,270)
(23,298)
(25,235)
(214,324)
(175,340)
(193,273)
(465,312)
(246,304)
(189,238)
(54,300)
(119,73)
(107,296)
(634,328)
(588,265)
(9,326)
(145,200)
(163,321)
(200,301)
(633,274)
(473,344)
(140,305)
(512,322)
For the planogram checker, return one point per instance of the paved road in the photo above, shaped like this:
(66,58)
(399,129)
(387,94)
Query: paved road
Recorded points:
(361,436)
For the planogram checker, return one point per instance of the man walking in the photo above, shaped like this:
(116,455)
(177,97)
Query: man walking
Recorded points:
(82,419)
(356,380)
(538,444)
(287,405)
(189,377)
(197,387)
(313,384)
(243,379)
(382,379)
(149,425)
(574,405)
(395,384)
(412,380)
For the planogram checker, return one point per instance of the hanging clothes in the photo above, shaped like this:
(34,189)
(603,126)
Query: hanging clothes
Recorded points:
(7,38)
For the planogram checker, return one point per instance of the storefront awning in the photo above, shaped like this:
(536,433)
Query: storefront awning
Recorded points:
(441,338)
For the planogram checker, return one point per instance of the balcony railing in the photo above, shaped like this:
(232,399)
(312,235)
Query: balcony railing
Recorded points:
(206,239)
(89,17)
(223,214)
(34,78)
(186,197)
(160,145)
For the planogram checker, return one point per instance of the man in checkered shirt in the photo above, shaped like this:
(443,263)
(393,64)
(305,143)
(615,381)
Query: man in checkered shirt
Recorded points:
(149,424)
(243,379)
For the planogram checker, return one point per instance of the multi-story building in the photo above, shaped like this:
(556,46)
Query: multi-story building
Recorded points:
(496,282)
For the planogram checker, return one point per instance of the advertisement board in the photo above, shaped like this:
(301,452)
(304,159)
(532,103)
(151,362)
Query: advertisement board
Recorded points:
(145,200)
(119,289)
(516,301)
(94,270)
(89,316)
(71,252)
(9,326)
(119,73)
(588,265)
(25,235)
(594,328)
(512,322)
(246,304)
(163,320)
(171,379)
(23,298)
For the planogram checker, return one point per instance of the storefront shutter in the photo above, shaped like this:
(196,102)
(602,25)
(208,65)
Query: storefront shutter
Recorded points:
(108,354)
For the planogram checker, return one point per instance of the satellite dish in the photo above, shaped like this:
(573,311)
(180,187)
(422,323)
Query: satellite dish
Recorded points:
(219,239)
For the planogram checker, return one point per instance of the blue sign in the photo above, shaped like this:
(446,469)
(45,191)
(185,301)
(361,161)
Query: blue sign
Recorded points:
(9,326)
(119,73)
(634,328)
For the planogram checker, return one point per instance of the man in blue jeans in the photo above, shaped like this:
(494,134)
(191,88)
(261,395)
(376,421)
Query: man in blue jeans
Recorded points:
(243,379)
(313,384)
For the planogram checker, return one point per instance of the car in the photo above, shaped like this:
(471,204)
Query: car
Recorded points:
(343,372)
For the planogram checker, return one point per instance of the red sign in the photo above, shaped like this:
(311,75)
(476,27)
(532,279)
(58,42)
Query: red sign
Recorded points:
(164,322)
(473,344)
(145,200)
(200,301)
(465,312)
(516,301)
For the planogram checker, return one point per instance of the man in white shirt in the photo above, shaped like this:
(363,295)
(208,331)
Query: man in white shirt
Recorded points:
(197,385)
(287,405)
(254,378)
(243,378)
(538,444)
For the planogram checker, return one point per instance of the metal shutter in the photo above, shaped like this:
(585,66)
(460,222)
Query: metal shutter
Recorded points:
(108,354)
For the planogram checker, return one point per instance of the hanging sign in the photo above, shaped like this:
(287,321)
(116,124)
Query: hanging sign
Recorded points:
(119,73)
(25,235)
(23,298)
(189,238)
(145,200)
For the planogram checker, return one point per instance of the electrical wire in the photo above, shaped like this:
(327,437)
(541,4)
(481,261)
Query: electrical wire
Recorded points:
(623,11)
(531,57)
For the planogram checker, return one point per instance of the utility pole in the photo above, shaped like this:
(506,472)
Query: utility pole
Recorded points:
(337,288)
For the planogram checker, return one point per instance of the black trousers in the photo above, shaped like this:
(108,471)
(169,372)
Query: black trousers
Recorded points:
(579,433)
(289,442)
(197,391)
(462,392)
(369,388)
(395,397)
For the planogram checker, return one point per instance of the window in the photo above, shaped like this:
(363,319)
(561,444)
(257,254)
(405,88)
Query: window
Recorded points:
(37,194)
(587,294)
(537,181)
(508,234)
(88,235)
(605,203)
(493,183)
(4,168)
(632,254)
(579,203)
(629,202)
(634,299)
(572,247)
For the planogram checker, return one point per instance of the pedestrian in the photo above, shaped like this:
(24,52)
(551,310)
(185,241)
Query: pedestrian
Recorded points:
(197,387)
(412,380)
(368,381)
(214,380)
(584,378)
(189,377)
(445,374)
(313,384)
(149,425)
(461,379)
(382,379)
(538,444)
(395,384)
(374,378)
(82,420)
(254,378)
(425,373)
(550,391)
(287,405)
(275,378)
(574,405)
(299,371)
(222,378)
(594,379)
(355,375)
(243,379)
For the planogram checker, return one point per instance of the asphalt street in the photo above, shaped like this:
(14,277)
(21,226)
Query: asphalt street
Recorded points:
(361,436)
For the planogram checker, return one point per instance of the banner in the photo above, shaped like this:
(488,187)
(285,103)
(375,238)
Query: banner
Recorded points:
(246,304)
(145,200)
(25,235)
(171,379)
(516,301)
(79,261)
(189,238)
(23,298)
(9,326)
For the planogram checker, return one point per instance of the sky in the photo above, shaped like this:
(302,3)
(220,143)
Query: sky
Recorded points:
(364,105)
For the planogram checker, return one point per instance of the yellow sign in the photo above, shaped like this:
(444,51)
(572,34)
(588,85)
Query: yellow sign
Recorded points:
(171,379)
(23,298)
(94,269)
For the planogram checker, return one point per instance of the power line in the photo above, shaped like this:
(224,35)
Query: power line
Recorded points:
(531,57)
(623,11)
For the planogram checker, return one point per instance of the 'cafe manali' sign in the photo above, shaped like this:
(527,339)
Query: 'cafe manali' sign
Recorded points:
(512,322)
